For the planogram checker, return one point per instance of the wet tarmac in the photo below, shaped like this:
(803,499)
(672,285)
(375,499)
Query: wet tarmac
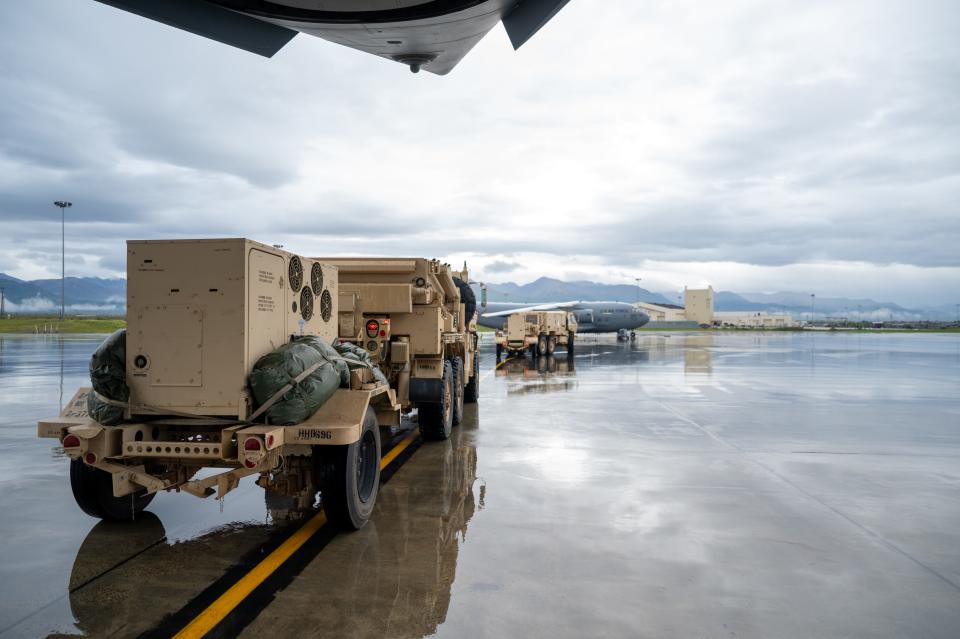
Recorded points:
(684,485)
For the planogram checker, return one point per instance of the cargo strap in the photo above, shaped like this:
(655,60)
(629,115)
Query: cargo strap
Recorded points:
(299,378)
(150,409)
(286,388)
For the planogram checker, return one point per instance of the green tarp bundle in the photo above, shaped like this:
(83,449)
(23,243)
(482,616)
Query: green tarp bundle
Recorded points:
(108,378)
(277,369)
(281,367)
(358,358)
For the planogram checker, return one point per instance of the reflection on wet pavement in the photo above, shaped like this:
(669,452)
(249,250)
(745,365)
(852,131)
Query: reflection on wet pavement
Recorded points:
(394,577)
(715,485)
(538,375)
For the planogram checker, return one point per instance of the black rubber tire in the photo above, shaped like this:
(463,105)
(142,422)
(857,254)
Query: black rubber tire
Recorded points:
(468,299)
(471,394)
(459,375)
(436,418)
(93,492)
(542,345)
(551,345)
(571,338)
(351,477)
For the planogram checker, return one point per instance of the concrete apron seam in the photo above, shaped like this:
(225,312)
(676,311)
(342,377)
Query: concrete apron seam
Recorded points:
(86,583)
(810,496)
(221,608)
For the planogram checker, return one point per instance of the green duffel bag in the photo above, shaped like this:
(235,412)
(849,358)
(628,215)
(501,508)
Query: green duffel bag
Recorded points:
(357,357)
(274,371)
(108,376)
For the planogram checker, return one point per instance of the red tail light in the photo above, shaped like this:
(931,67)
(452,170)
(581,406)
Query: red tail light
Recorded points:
(91,458)
(373,327)
(71,441)
(252,445)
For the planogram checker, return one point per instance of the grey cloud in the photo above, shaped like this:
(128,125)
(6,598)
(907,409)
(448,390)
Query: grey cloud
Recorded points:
(841,151)
(501,266)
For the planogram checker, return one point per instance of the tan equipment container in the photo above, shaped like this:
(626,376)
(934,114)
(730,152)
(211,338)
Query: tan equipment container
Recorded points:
(200,313)
(410,315)
(540,332)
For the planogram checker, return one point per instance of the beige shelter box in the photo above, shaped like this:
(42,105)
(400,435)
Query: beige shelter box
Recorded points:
(200,313)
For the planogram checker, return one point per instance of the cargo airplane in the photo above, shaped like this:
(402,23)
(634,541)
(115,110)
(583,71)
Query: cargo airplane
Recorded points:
(433,35)
(592,317)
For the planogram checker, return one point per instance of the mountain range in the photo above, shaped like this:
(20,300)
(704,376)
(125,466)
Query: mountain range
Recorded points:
(548,289)
(83,295)
(93,295)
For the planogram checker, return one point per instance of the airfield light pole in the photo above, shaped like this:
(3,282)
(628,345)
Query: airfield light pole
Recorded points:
(63,205)
(812,298)
(2,300)
(638,288)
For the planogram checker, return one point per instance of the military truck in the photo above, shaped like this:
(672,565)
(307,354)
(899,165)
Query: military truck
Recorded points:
(200,314)
(417,320)
(540,332)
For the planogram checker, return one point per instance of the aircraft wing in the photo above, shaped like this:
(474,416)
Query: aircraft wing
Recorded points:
(212,21)
(562,306)
(430,34)
(529,17)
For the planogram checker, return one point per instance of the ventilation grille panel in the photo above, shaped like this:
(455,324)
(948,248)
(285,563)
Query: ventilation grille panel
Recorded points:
(306,303)
(295,273)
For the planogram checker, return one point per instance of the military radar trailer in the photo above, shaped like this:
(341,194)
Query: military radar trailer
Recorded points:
(540,332)
(200,315)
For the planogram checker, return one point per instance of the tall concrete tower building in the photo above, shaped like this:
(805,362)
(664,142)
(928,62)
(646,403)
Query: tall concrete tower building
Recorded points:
(698,305)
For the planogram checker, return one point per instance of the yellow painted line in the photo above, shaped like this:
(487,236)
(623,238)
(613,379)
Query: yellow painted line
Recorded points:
(219,609)
(491,371)
(224,605)
(399,448)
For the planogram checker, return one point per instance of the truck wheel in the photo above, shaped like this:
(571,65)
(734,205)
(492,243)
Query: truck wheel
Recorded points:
(93,491)
(551,344)
(436,418)
(542,345)
(570,339)
(472,392)
(458,375)
(351,477)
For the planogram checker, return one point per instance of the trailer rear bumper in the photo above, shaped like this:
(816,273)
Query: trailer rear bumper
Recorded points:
(183,446)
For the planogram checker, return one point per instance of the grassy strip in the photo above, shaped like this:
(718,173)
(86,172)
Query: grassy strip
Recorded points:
(25,324)
(849,331)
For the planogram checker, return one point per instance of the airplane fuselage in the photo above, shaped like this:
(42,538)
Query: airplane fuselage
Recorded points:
(430,34)
(592,317)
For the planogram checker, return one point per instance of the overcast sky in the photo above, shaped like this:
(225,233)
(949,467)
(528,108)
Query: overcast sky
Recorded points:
(752,145)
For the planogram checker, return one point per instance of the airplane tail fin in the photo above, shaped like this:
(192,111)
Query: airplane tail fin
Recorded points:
(529,17)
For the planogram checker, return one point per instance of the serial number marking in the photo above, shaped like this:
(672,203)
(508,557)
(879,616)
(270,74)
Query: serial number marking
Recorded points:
(314,433)
(265,276)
